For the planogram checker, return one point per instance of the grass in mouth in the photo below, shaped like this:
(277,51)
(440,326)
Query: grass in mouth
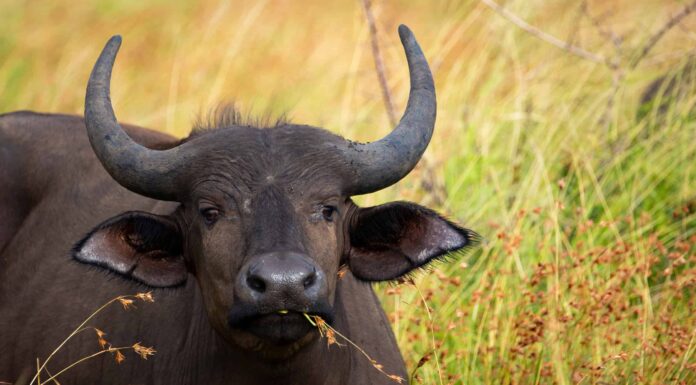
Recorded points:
(326,331)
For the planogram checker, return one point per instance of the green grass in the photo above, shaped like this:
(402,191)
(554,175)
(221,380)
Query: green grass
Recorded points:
(588,270)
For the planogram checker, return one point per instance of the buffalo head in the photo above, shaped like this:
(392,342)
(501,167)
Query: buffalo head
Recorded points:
(265,219)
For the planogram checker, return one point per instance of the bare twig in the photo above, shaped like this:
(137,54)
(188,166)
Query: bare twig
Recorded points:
(379,65)
(566,46)
(573,35)
(688,33)
(614,63)
(603,31)
(669,24)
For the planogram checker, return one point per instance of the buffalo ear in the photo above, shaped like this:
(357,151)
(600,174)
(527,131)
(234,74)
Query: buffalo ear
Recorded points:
(136,245)
(391,240)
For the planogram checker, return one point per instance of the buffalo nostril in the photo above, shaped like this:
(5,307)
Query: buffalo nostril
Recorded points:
(256,283)
(311,278)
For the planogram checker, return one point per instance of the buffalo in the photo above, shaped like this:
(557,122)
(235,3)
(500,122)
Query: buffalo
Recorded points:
(240,231)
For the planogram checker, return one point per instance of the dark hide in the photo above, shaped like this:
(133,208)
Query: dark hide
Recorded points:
(71,239)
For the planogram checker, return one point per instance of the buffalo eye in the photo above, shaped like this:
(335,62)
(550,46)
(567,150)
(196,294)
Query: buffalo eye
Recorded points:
(210,214)
(328,212)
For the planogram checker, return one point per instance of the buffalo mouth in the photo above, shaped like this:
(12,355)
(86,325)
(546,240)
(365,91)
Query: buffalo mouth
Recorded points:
(279,327)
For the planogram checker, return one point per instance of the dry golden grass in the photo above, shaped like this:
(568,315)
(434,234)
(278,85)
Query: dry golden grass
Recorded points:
(586,197)
(105,347)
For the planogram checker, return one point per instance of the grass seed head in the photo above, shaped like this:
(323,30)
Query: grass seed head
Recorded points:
(143,351)
(395,378)
(146,297)
(119,357)
(126,303)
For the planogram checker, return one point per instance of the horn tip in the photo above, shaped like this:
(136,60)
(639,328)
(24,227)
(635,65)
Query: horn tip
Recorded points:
(405,32)
(115,40)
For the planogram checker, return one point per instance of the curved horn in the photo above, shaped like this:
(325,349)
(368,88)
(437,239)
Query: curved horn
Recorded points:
(147,172)
(384,162)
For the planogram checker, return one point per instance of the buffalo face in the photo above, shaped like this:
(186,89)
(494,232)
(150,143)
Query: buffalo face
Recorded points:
(265,220)
(264,237)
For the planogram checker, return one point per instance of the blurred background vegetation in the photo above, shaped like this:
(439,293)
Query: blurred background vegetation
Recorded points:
(581,182)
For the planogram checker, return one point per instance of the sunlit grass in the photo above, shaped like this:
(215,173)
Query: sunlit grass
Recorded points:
(588,271)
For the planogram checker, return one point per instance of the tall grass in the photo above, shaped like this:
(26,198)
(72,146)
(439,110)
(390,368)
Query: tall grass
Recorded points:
(588,272)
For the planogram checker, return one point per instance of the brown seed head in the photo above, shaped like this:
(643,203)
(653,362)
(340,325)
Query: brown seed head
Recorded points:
(143,351)
(126,303)
(146,297)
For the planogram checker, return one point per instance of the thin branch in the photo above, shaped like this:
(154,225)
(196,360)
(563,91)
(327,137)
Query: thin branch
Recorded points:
(614,63)
(566,46)
(688,33)
(379,65)
(573,31)
(671,22)
(603,31)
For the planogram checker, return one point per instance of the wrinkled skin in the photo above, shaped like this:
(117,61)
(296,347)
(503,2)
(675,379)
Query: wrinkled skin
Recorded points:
(254,201)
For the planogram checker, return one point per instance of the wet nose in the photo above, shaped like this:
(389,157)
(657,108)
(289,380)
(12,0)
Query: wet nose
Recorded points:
(282,276)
